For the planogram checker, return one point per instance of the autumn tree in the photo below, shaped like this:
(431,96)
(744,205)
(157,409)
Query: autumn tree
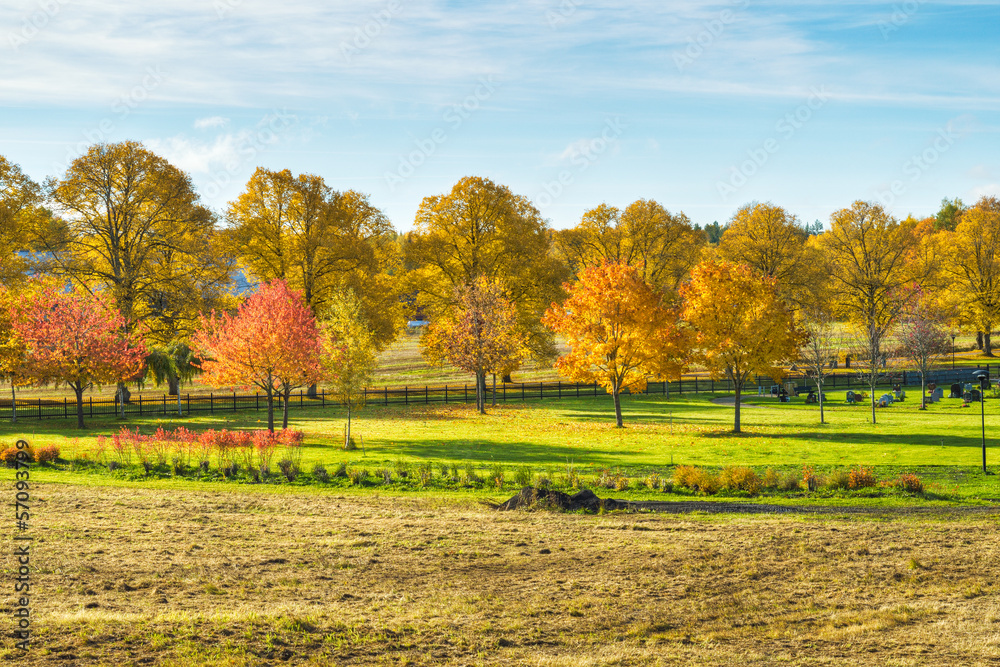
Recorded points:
(76,338)
(133,227)
(923,336)
(482,335)
(350,353)
(771,241)
(742,325)
(662,246)
(949,215)
(20,216)
(319,241)
(868,253)
(172,364)
(819,350)
(618,330)
(483,230)
(13,352)
(272,343)
(973,267)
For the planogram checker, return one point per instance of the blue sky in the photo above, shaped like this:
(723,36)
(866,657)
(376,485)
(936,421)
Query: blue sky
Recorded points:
(702,106)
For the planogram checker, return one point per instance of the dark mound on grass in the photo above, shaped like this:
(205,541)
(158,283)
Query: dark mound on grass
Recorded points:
(529,498)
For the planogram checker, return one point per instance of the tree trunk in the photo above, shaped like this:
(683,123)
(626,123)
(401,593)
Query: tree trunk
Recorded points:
(347,436)
(284,407)
(739,391)
(923,390)
(270,409)
(13,402)
(506,378)
(180,409)
(988,343)
(494,390)
(482,385)
(79,406)
(819,388)
(311,392)
(979,340)
(616,390)
(173,386)
(871,388)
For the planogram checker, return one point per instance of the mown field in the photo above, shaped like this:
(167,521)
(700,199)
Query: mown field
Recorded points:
(244,577)
(194,569)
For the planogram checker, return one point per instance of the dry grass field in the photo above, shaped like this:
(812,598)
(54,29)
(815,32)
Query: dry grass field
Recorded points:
(129,576)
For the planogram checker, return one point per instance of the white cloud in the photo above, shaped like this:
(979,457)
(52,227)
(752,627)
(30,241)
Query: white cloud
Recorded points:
(211,122)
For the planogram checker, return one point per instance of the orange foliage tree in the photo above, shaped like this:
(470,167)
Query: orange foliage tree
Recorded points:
(272,343)
(75,338)
(618,330)
(483,336)
(743,326)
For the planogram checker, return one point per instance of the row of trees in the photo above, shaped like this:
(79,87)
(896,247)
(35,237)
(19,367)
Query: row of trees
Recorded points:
(272,342)
(125,224)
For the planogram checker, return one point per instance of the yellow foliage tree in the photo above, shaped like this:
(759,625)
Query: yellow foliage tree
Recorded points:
(319,241)
(743,325)
(350,353)
(618,332)
(869,253)
(20,213)
(663,247)
(483,230)
(132,224)
(973,267)
(770,240)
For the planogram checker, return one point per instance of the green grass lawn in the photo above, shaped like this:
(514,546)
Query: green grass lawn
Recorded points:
(942,444)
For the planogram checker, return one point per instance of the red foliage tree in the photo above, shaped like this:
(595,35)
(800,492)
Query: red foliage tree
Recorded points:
(76,338)
(272,343)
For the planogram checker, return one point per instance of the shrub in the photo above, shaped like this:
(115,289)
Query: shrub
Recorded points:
(838,480)
(46,454)
(357,476)
(113,465)
(443,470)
(230,470)
(402,469)
(809,480)
(652,481)
(288,469)
(543,481)
(385,474)
(9,456)
(497,475)
(771,479)
(789,481)
(425,473)
(320,474)
(696,479)
(612,480)
(454,472)
(341,470)
(471,478)
(861,478)
(572,476)
(740,479)
(909,483)
(522,477)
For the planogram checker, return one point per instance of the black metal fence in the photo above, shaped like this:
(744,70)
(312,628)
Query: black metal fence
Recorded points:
(168,406)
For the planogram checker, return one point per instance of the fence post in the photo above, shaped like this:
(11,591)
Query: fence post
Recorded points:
(189,404)
(387,395)
(302,398)
(465,391)
(91,406)
(39,408)
(446,394)
(406,395)
(696,384)
(234,401)
(256,401)
(322,398)
(211,403)
(559,388)
(504,385)
(65,408)
(713,385)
